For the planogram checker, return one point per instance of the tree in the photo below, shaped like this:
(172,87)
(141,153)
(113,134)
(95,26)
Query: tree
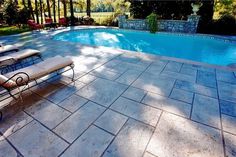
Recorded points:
(120,6)
(64,8)
(88,9)
(58,7)
(30,8)
(41,10)
(23,2)
(72,13)
(11,13)
(49,10)
(225,7)
(54,10)
(23,15)
(36,11)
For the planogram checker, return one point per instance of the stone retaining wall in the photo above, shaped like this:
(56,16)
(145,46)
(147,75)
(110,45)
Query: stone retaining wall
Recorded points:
(184,26)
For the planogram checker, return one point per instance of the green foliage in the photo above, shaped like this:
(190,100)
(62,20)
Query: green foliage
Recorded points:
(225,25)
(11,13)
(121,6)
(177,9)
(109,21)
(24,15)
(12,30)
(152,22)
(225,7)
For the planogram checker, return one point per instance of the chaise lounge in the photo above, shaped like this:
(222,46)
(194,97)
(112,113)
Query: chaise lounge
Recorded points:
(7,48)
(19,56)
(22,77)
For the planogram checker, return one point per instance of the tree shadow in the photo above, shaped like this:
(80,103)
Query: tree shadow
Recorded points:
(87,59)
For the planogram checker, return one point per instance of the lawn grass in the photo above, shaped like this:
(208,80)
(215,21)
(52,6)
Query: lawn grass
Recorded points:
(9,30)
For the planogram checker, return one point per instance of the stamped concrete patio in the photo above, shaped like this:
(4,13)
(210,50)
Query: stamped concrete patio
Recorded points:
(121,104)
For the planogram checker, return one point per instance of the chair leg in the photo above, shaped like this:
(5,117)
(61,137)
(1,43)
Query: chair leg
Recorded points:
(11,94)
(73,75)
(1,116)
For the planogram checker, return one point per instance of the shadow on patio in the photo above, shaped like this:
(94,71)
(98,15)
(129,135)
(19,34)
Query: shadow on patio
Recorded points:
(116,107)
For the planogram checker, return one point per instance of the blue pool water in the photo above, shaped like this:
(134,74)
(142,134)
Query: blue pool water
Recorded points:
(192,47)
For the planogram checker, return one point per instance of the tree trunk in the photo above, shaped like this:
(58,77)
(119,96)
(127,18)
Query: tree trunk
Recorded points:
(88,9)
(36,11)
(58,7)
(54,10)
(72,13)
(49,10)
(41,11)
(23,2)
(65,10)
(31,9)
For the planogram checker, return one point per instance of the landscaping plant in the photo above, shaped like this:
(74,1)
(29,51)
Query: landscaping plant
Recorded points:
(152,22)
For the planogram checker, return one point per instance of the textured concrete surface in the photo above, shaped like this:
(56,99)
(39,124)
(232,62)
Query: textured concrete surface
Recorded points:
(121,104)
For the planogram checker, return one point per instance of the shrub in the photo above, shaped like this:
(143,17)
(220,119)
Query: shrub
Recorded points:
(24,15)
(227,24)
(86,20)
(11,14)
(110,21)
(152,22)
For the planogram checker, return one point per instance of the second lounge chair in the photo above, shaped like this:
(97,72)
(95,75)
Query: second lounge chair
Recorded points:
(13,58)
(7,48)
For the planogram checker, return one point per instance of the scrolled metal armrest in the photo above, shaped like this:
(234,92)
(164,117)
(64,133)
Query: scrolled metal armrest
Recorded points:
(21,78)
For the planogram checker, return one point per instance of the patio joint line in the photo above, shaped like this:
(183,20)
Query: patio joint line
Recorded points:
(153,132)
(234,134)
(44,98)
(228,114)
(11,144)
(115,136)
(18,129)
(72,113)
(82,132)
(46,127)
(172,89)
(198,92)
(182,64)
(105,130)
(221,123)
(151,154)
(191,111)
(182,116)
(144,96)
(168,61)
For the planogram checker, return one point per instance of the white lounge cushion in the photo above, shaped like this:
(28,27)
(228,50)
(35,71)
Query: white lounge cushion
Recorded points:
(33,71)
(24,54)
(54,63)
(8,84)
(6,48)
(42,69)
(6,60)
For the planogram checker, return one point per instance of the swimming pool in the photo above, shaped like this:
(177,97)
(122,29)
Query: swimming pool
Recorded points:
(199,48)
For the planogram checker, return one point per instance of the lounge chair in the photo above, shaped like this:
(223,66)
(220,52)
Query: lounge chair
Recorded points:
(22,77)
(33,25)
(63,22)
(7,48)
(49,23)
(13,58)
